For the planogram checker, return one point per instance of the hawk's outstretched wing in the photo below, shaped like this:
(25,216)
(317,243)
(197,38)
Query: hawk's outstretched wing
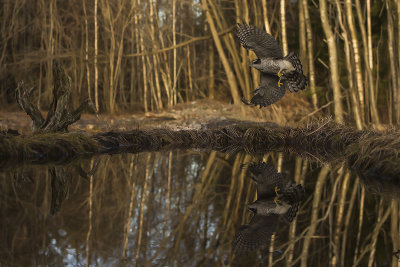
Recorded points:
(267,179)
(256,234)
(268,92)
(263,44)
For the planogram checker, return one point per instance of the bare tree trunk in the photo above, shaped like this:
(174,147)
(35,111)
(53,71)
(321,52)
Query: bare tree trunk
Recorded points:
(357,61)
(371,83)
(155,61)
(353,96)
(393,67)
(266,22)
(173,98)
(87,50)
(211,78)
(333,61)
(96,52)
(370,55)
(283,26)
(144,67)
(229,73)
(310,53)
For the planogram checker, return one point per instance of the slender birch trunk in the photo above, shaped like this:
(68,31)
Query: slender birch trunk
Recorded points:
(283,27)
(96,53)
(265,15)
(333,62)
(229,73)
(349,66)
(393,67)
(357,61)
(310,54)
(371,83)
(173,98)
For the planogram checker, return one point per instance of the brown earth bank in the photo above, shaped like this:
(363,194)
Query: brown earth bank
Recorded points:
(191,115)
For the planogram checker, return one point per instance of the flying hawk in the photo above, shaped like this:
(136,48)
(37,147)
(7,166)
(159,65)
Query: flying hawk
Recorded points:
(276,71)
(276,199)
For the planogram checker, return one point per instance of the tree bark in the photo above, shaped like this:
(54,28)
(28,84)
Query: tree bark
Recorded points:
(333,62)
(229,73)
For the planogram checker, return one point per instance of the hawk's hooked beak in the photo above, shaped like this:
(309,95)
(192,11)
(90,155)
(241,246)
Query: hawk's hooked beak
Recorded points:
(255,62)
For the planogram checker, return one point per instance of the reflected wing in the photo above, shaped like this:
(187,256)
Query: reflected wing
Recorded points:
(256,234)
(263,44)
(292,194)
(291,213)
(267,179)
(268,92)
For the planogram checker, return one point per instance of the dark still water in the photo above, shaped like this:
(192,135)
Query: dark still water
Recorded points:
(188,208)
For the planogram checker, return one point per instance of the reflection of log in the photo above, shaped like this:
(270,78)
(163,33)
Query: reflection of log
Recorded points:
(59,116)
(325,141)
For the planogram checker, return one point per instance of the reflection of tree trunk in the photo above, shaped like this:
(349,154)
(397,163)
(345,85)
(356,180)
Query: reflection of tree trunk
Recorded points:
(229,73)
(333,61)
(60,184)
(339,217)
(314,213)
(394,228)
(347,220)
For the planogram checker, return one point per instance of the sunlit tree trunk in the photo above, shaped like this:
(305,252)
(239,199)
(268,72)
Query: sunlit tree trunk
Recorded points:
(173,98)
(393,67)
(347,51)
(211,78)
(155,61)
(371,82)
(265,15)
(283,27)
(229,73)
(96,52)
(310,53)
(87,49)
(333,61)
(144,67)
(357,61)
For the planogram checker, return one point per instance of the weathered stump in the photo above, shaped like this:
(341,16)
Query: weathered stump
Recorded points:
(59,116)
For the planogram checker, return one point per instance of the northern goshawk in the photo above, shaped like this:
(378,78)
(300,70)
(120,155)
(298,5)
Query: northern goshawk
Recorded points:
(276,199)
(276,71)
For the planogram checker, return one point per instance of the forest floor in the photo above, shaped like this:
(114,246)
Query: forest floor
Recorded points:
(192,115)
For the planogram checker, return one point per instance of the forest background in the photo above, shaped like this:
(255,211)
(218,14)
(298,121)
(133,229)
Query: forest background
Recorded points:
(143,55)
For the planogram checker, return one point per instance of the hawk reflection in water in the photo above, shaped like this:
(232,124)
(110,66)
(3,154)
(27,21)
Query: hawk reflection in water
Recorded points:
(276,71)
(275,199)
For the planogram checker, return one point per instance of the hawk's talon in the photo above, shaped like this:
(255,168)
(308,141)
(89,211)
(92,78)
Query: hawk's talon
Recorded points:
(280,74)
(276,200)
(279,83)
(276,189)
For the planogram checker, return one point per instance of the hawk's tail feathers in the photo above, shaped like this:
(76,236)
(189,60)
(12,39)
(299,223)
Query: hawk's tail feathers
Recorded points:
(293,193)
